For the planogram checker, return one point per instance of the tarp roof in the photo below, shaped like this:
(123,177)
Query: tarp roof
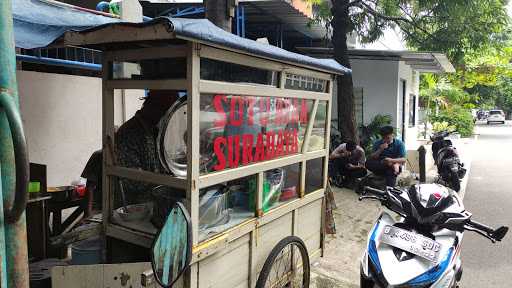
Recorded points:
(433,62)
(37,24)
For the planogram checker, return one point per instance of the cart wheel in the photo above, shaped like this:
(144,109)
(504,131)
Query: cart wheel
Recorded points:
(286,266)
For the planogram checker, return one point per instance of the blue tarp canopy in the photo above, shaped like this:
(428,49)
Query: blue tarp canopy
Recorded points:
(37,24)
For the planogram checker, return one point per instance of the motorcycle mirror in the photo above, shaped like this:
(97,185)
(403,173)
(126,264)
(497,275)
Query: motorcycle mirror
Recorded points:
(500,233)
(171,252)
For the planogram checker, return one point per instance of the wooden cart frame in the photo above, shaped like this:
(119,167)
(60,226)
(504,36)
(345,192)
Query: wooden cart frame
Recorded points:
(217,261)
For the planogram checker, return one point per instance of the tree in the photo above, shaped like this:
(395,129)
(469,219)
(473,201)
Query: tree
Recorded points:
(219,12)
(454,27)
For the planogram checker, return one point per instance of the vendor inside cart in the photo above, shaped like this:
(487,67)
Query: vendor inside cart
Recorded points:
(136,142)
(136,139)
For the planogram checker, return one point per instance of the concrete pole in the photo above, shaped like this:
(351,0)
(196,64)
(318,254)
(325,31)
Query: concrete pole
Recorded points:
(14,260)
(220,12)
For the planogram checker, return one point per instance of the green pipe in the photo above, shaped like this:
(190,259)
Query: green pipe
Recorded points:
(15,269)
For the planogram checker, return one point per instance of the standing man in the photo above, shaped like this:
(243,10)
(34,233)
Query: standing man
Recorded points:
(387,157)
(349,161)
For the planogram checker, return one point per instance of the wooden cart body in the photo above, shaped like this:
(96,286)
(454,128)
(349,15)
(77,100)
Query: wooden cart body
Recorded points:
(234,257)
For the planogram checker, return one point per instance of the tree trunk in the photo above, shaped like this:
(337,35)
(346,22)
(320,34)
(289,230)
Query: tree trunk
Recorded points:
(341,25)
(217,12)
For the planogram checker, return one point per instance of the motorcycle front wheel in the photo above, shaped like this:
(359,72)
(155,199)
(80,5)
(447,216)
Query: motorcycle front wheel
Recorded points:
(366,283)
(454,181)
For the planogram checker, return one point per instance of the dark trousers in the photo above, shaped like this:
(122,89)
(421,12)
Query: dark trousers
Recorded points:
(378,168)
(341,165)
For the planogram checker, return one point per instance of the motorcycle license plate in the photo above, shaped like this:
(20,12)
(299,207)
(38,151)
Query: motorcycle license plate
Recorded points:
(411,242)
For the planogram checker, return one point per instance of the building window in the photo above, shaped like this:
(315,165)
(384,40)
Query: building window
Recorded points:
(358,103)
(412,110)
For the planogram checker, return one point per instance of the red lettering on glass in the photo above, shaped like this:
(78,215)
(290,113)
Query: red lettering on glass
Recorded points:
(303,112)
(259,154)
(237,121)
(280,143)
(250,110)
(217,104)
(233,152)
(295,145)
(247,140)
(269,145)
(264,109)
(219,153)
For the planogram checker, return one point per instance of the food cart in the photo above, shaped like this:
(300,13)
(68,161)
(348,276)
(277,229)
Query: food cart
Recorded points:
(245,148)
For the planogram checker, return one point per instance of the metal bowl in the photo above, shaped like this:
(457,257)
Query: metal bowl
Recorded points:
(172,139)
(135,212)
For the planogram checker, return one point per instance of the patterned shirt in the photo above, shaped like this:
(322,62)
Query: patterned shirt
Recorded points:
(136,148)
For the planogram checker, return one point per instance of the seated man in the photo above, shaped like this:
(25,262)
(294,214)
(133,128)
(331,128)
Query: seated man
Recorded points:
(388,155)
(349,161)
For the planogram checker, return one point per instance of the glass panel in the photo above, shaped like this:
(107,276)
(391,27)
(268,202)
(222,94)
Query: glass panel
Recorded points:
(280,186)
(317,138)
(412,110)
(226,205)
(314,175)
(150,69)
(143,206)
(233,73)
(241,130)
(150,131)
(305,83)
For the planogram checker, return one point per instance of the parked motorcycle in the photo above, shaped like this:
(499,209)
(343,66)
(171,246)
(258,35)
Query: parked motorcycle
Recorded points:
(447,160)
(422,248)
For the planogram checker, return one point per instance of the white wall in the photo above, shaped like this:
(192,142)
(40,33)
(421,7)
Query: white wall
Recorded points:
(411,77)
(62,120)
(379,81)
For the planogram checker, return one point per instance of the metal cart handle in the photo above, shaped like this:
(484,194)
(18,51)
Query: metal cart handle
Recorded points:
(20,157)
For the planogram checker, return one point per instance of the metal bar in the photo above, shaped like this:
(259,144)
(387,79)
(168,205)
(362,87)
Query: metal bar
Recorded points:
(243,20)
(107,131)
(213,87)
(327,135)
(259,194)
(305,144)
(237,19)
(176,84)
(193,114)
(231,174)
(150,177)
(58,62)
(14,271)
(3,261)
(174,51)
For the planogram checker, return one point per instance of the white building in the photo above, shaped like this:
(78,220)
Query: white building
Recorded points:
(387,83)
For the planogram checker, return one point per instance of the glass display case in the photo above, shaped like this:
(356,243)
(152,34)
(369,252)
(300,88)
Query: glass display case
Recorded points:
(242,143)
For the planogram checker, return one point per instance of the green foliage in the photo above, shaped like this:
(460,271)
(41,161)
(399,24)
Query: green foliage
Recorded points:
(442,126)
(454,27)
(370,133)
(458,117)
(442,94)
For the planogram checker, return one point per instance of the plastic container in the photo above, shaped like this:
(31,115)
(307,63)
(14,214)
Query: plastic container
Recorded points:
(86,252)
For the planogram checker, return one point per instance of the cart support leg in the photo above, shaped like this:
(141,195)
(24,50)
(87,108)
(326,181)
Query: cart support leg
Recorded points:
(13,236)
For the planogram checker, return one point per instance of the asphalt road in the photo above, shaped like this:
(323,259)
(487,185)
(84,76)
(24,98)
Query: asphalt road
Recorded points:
(489,197)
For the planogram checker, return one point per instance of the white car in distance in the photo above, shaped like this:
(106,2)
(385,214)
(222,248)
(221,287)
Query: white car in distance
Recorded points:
(497,116)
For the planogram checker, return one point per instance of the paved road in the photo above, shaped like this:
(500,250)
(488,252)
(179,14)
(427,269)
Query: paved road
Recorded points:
(489,198)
